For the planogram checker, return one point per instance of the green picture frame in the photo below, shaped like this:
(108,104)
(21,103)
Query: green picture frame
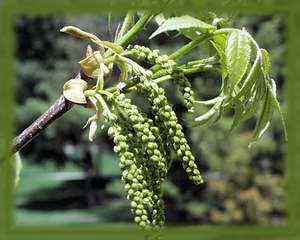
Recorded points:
(9,8)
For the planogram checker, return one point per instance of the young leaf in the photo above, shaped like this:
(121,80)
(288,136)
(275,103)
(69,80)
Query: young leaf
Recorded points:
(221,40)
(264,118)
(238,56)
(160,18)
(254,75)
(266,64)
(273,87)
(238,111)
(254,102)
(219,113)
(183,22)
(223,59)
(189,33)
(273,97)
(207,116)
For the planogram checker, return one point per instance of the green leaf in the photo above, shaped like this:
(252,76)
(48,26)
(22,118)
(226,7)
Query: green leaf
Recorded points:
(238,111)
(254,103)
(219,113)
(266,64)
(207,116)
(273,86)
(189,33)
(221,40)
(160,19)
(265,116)
(223,59)
(183,22)
(238,56)
(253,76)
(277,105)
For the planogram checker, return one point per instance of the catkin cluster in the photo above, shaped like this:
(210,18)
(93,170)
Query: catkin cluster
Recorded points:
(144,146)
(142,161)
(170,129)
(153,57)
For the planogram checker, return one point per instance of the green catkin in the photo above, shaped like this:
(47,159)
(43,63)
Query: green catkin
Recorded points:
(145,149)
(128,152)
(145,188)
(144,53)
(167,121)
(153,57)
(185,88)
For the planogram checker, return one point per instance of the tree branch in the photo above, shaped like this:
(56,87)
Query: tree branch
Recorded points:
(56,110)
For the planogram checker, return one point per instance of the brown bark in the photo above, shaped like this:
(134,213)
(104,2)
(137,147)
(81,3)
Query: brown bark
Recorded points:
(56,110)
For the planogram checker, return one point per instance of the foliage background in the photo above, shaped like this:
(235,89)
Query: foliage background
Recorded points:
(241,186)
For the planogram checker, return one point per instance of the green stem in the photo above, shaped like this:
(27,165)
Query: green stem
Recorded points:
(132,32)
(190,46)
(162,79)
(100,80)
(126,24)
(136,28)
(185,49)
(210,60)
(129,84)
(104,105)
(162,75)
(121,110)
(203,68)
(109,60)
(194,67)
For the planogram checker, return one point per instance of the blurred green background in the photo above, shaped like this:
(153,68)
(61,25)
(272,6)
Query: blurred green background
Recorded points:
(67,180)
